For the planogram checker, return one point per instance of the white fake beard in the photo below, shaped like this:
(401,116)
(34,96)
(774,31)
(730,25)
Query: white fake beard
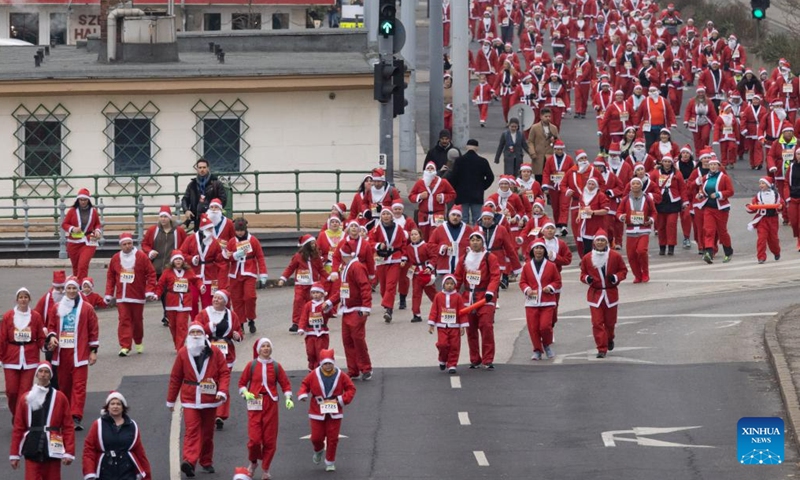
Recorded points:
(638,155)
(127,260)
(65,306)
(57,296)
(582,166)
(214,316)
(473,259)
(215,217)
(502,194)
(21,319)
(781,114)
(36,397)
(615,162)
(378,193)
(599,259)
(588,196)
(400,221)
(195,345)
(427,177)
(486,49)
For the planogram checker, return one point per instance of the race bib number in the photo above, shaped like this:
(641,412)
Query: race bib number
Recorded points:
(692,123)
(379,260)
(329,407)
(303,277)
(77,235)
(222,345)
(22,336)
(214,286)
(662,179)
(579,72)
(676,79)
(180,286)
(581,35)
(727,130)
(208,387)
(244,247)
(556,178)
(788,88)
(735,54)
(315,320)
(660,59)
(624,116)
(126,276)
(534,231)
(749,95)
(646,127)
(613,62)
(438,220)
(560,103)
(56,445)
(628,65)
(452,249)
(505,22)
(474,277)
(344,291)
(66,340)
(256,404)
(449,316)
(91,241)
(787,156)
(529,195)
(586,214)
(410,273)
(637,218)
(532,299)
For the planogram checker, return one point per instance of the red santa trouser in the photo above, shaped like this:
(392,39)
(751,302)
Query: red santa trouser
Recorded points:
(702,137)
(604,319)
(388,277)
(72,381)
(575,223)
(224,410)
(325,436)
(558,114)
(625,84)
(262,433)
(302,294)
(686,223)
(715,225)
(767,229)
(178,327)
(446,34)
(755,151)
(416,296)
(449,346)
(403,282)
(505,100)
(483,111)
(614,228)
(667,226)
(448,119)
(354,339)
(540,326)
(243,296)
(675,100)
(581,98)
(198,437)
(80,255)
(560,205)
(47,470)
(18,382)
(794,216)
(314,346)
(481,323)
(131,327)
(636,248)
(727,150)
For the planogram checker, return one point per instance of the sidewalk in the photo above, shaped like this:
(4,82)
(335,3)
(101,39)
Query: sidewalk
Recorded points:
(782,339)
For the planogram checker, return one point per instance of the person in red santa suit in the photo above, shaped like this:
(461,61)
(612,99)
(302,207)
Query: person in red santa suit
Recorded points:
(592,209)
(223,229)
(359,245)
(421,271)
(389,240)
(665,146)
(258,384)
(793,187)
(505,84)
(555,167)
(751,113)
(499,242)
(533,229)
(765,222)
(603,270)
(73,337)
(557,252)
(201,376)
(380,196)
(327,240)
(771,124)
(174,286)
(222,327)
(716,189)
(482,96)
(479,273)
(700,115)
(83,229)
(113,448)
(780,156)
(584,70)
(22,336)
(407,224)
(208,262)
(529,190)
(158,242)
(247,265)
(786,88)
(90,296)
(130,282)
(639,156)
(726,135)
(358,198)
(449,241)
(674,200)
(44,306)
(446,23)
(432,194)
(676,82)
(622,173)
(486,27)
(307,267)
(636,212)
(314,324)
(540,282)
(446,317)
(617,118)
(42,412)
(555,94)
(573,187)
(330,390)
(509,204)
(601,101)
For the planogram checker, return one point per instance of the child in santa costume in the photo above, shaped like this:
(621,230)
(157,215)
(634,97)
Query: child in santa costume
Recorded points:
(83,229)
(314,324)
(174,285)
(636,211)
(328,239)
(540,282)
(90,296)
(330,390)
(765,222)
(422,271)
(209,262)
(307,267)
(389,241)
(259,387)
(247,265)
(449,322)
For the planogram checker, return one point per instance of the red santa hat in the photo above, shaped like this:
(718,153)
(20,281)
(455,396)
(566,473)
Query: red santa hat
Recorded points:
(477,234)
(305,239)
(639,141)
(667,158)
(378,175)
(205,222)
(386,209)
(59,277)
(88,280)
(605,84)
(592,180)
(318,287)
(637,85)
(704,153)
(559,144)
(548,224)
(637,179)
(84,193)
(215,203)
(224,294)
(787,127)
(125,237)
(340,207)
(667,130)
(599,161)
(581,51)
(776,102)
(559,57)
(46,365)
(487,212)
(176,254)
(687,148)
(114,395)
(538,243)
(638,166)
(526,166)
(196,325)
(241,473)
(456,209)
(326,356)
(614,149)
(714,61)
(331,220)
(449,276)
(504,178)
(580,154)
(538,203)
(766,180)
(713,159)
(399,205)
(619,92)
(259,343)
(601,233)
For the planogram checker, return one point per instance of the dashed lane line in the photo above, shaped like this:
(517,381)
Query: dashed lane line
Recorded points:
(481,458)
(455,382)
(463,418)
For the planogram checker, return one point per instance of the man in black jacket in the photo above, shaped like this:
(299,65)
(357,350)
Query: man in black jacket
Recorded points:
(199,193)
(513,146)
(470,176)
(438,154)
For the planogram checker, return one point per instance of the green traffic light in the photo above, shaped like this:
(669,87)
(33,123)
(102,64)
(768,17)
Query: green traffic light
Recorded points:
(758,13)
(386,28)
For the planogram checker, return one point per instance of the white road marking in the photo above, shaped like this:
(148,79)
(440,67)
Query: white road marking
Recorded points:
(589,355)
(682,315)
(175,455)
(308,437)
(455,382)
(463,418)
(627,323)
(727,323)
(481,458)
(611,437)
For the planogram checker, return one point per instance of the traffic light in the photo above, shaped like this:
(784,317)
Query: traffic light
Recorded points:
(384,80)
(759,8)
(386,17)
(399,98)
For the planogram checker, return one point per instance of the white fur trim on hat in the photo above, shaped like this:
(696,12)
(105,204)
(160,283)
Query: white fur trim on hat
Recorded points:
(223,295)
(71,280)
(45,365)
(262,341)
(118,396)
(177,255)
(20,290)
(195,327)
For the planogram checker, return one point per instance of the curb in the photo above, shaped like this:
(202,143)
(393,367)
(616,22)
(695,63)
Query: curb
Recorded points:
(780,364)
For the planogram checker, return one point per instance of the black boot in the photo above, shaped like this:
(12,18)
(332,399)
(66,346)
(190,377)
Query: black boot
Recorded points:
(402,305)
(252,325)
(416,319)
(671,250)
(387,315)
(662,249)
(504,281)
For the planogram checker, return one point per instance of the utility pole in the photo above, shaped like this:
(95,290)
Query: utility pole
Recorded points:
(408,122)
(385,84)
(436,98)
(460,60)
(371,21)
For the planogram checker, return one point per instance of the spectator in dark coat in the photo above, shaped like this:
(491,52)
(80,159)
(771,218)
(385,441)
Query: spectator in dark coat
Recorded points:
(438,154)
(199,193)
(470,176)
(513,146)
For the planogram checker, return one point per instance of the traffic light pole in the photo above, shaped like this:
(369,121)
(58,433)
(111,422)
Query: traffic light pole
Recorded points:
(460,60)
(386,129)
(436,49)
(408,127)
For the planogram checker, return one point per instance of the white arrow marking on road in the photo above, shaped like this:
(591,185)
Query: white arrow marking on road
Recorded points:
(308,437)
(590,353)
(463,418)
(611,437)
(727,323)
(455,382)
(481,458)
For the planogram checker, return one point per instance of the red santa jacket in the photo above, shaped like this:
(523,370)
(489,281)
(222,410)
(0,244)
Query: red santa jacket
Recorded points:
(612,190)
(636,221)
(512,208)
(371,206)
(670,184)
(199,388)
(445,311)
(58,420)
(153,231)
(94,450)
(252,263)
(448,246)
(533,281)
(479,276)
(77,232)
(220,334)
(130,285)
(673,150)
(558,252)
(175,284)
(590,223)
(603,287)
(557,96)
(618,117)
(780,157)
(786,91)
(506,82)
(86,334)
(362,249)
(482,94)
(723,189)
(207,260)
(262,378)
(750,119)
(575,181)
(726,133)
(95,300)
(532,231)
(431,209)
(769,127)
(314,319)
(306,272)
(19,349)
(395,242)
(352,288)
(500,242)
(342,392)
(690,115)
(223,232)
(601,101)
(486,63)
(326,243)
(44,306)
(421,254)
(554,171)
(715,87)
